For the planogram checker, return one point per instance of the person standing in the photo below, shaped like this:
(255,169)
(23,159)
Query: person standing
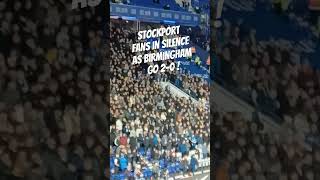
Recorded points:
(123,162)
(193,164)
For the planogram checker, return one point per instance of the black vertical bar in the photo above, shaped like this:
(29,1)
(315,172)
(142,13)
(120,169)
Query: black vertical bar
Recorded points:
(212,70)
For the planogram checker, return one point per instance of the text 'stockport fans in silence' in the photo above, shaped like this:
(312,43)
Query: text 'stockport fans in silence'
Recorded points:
(159,98)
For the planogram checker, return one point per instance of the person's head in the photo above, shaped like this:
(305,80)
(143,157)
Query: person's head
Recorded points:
(16,39)
(28,5)
(97,98)
(239,154)
(90,141)
(87,164)
(251,154)
(51,143)
(261,149)
(36,158)
(64,138)
(79,151)
(2,6)
(16,28)
(253,127)
(294,176)
(17,6)
(248,177)
(71,92)
(244,47)
(234,177)
(290,152)
(309,175)
(273,152)
(88,177)
(241,141)
(62,152)
(92,126)
(283,176)
(13,145)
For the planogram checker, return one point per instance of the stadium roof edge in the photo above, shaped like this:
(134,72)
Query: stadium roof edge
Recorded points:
(147,14)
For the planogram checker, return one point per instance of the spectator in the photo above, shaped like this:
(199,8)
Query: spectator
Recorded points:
(123,163)
(149,121)
(43,96)
(193,164)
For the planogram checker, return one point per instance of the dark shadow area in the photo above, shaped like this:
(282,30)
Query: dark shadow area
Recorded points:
(267,66)
(53,89)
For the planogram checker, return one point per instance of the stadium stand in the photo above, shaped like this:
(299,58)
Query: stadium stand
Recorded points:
(52,102)
(275,71)
(154,132)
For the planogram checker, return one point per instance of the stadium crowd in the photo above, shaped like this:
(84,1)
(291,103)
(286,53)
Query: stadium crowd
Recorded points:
(273,76)
(245,150)
(276,77)
(153,133)
(52,92)
(53,109)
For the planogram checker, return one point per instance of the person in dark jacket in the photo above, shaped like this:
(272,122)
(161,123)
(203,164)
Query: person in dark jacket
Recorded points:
(183,148)
(193,164)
